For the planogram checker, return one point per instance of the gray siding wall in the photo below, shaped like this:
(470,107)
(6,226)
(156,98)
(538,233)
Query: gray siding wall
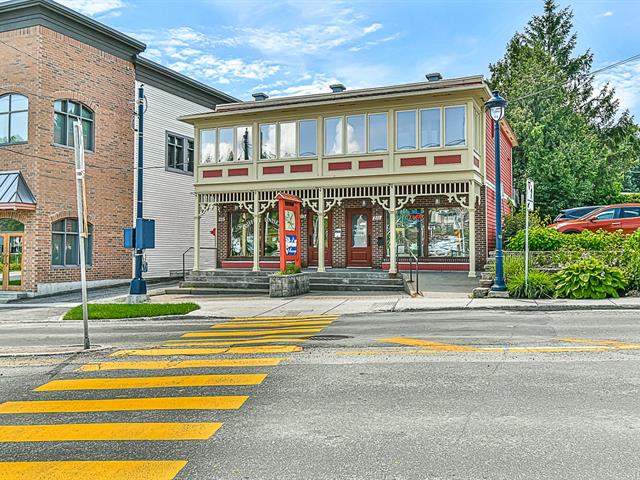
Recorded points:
(168,196)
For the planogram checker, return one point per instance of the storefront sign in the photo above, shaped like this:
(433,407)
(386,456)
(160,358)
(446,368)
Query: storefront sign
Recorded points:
(292,244)
(289,219)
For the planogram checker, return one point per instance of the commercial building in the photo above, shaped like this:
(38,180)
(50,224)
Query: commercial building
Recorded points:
(417,156)
(59,67)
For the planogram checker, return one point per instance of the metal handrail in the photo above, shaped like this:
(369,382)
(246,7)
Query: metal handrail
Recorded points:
(413,258)
(184,254)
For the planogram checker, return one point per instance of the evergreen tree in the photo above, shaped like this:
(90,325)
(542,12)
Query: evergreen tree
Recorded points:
(574,141)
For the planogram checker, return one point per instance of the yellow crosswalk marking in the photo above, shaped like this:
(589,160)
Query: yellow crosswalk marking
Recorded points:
(252,333)
(225,402)
(79,432)
(271,324)
(291,318)
(267,338)
(441,347)
(200,342)
(177,364)
(152,382)
(97,470)
(603,343)
(155,352)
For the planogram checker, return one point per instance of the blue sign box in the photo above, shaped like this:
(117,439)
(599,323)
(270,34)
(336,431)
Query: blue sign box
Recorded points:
(291,242)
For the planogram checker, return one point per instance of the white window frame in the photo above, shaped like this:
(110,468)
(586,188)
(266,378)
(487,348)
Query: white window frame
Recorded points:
(324,136)
(419,125)
(444,127)
(416,133)
(277,157)
(386,132)
(298,138)
(366,135)
(215,147)
(477,129)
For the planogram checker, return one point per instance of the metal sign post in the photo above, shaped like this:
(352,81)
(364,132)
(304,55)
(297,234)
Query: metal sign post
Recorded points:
(529,208)
(78,142)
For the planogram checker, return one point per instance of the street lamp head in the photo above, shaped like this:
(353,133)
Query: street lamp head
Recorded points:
(496,106)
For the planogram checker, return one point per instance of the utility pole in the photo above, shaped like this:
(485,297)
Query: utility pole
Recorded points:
(78,142)
(138,288)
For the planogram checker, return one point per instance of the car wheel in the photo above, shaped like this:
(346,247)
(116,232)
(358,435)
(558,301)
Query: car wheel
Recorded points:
(572,232)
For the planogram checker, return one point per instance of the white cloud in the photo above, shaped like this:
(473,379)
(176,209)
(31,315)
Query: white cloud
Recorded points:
(223,71)
(625,80)
(94,7)
(606,14)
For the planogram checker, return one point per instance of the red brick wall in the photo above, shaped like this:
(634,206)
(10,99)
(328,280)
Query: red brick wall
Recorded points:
(46,66)
(339,221)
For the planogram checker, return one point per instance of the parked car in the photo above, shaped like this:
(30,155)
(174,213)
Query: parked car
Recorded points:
(625,217)
(575,213)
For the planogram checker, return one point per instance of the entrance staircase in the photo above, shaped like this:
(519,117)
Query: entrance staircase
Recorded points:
(244,282)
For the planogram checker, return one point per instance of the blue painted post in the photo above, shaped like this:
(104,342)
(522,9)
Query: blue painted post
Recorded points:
(138,284)
(498,284)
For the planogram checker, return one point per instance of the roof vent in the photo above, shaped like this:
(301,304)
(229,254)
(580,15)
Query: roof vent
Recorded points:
(260,97)
(337,88)
(433,77)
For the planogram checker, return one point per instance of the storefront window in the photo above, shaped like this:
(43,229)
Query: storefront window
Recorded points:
(242,239)
(409,231)
(271,234)
(448,232)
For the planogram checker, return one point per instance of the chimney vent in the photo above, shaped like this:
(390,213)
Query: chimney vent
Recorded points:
(433,77)
(260,97)
(337,88)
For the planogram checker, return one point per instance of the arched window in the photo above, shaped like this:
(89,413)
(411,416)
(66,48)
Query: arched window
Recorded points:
(14,119)
(66,113)
(65,243)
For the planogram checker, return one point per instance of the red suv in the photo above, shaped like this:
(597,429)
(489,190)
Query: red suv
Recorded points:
(625,217)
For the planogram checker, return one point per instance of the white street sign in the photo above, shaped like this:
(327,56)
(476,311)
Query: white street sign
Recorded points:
(530,190)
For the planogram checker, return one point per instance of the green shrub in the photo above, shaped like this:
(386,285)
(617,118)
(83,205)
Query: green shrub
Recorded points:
(600,241)
(516,220)
(540,240)
(631,260)
(540,285)
(590,278)
(512,265)
(291,269)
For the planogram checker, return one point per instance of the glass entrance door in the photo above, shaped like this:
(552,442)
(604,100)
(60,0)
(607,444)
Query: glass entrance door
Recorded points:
(12,275)
(359,237)
(11,248)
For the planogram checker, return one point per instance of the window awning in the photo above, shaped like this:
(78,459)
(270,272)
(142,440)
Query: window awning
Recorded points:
(15,193)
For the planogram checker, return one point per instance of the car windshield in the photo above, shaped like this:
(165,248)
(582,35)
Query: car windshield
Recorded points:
(580,213)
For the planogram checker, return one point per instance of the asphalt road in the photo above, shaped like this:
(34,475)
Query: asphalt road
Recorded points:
(473,395)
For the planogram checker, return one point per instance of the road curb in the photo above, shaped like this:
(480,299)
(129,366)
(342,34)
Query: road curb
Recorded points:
(44,353)
(519,308)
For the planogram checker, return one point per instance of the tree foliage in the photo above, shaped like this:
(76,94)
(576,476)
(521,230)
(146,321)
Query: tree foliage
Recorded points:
(575,143)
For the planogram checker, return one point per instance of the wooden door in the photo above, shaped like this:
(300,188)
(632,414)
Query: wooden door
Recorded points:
(359,237)
(312,228)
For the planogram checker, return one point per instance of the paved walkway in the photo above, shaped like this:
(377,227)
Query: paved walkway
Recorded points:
(225,306)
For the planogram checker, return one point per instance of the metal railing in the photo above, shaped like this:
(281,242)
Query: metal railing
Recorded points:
(413,260)
(184,254)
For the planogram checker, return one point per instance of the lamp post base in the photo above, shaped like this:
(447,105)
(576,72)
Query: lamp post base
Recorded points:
(135,299)
(498,294)
(138,291)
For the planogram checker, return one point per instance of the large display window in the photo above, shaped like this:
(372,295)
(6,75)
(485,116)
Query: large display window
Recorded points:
(242,238)
(448,232)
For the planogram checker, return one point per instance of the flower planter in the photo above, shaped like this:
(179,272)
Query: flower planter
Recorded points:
(288,285)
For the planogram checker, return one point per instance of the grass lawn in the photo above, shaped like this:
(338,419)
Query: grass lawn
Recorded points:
(124,310)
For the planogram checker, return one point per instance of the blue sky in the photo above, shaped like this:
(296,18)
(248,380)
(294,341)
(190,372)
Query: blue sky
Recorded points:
(288,47)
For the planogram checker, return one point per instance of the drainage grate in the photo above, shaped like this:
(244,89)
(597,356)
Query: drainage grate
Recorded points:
(326,338)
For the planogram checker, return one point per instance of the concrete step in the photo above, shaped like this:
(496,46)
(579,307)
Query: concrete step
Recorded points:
(257,284)
(216,291)
(359,281)
(335,287)
(6,297)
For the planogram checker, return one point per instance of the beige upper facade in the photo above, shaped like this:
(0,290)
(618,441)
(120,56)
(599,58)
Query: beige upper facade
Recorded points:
(352,146)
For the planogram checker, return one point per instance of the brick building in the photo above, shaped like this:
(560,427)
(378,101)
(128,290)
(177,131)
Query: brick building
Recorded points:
(59,67)
(417,156)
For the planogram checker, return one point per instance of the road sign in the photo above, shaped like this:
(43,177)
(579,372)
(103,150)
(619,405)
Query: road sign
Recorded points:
(530,191)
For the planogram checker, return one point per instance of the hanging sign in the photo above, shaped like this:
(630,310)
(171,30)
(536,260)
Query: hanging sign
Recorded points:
(289,217)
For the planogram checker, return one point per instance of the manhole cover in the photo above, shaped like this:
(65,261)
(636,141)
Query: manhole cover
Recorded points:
(326,338)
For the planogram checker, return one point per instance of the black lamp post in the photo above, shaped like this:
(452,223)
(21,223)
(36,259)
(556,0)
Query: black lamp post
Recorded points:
(497,107)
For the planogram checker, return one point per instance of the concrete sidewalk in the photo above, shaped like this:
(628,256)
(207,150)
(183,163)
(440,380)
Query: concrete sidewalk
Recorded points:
(240,306)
